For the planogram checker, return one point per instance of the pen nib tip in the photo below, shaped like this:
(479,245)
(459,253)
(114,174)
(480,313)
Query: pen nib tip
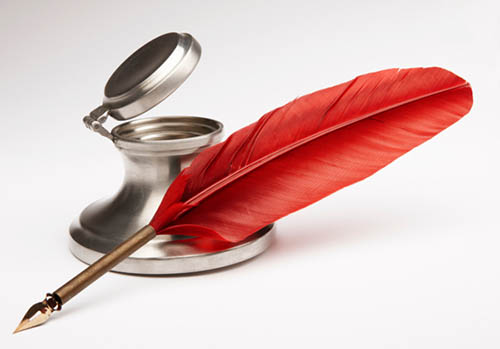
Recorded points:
(38,314)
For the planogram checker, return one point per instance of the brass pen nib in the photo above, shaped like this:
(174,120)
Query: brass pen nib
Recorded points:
(39,313)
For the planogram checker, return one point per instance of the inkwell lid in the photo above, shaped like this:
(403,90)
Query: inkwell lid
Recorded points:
(146,78)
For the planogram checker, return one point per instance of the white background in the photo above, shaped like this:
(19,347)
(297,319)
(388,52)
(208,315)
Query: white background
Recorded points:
(409,258)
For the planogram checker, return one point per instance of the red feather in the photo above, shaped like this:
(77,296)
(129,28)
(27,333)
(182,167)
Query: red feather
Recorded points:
(308,149)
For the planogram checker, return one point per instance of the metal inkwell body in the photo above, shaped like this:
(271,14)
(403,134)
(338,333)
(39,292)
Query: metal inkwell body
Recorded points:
(154,151)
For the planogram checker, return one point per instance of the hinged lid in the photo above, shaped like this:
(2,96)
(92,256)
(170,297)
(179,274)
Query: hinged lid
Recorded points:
(146,78)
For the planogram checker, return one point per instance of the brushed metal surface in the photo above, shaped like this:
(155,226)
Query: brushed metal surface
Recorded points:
(154,151)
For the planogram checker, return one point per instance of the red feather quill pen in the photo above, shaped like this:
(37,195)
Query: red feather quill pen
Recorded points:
(292,157)
(308,149)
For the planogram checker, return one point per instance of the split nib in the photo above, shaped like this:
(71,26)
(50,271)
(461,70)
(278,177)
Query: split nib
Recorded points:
(38,313)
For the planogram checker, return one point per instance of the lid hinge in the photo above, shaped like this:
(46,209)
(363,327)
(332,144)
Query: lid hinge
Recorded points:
(95,119)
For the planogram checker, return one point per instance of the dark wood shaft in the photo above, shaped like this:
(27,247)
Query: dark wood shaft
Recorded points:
(104,264)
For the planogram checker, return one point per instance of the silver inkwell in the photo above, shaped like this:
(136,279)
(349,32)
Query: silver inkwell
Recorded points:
(154,151)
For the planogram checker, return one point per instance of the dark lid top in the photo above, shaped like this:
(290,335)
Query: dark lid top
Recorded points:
(150,75)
